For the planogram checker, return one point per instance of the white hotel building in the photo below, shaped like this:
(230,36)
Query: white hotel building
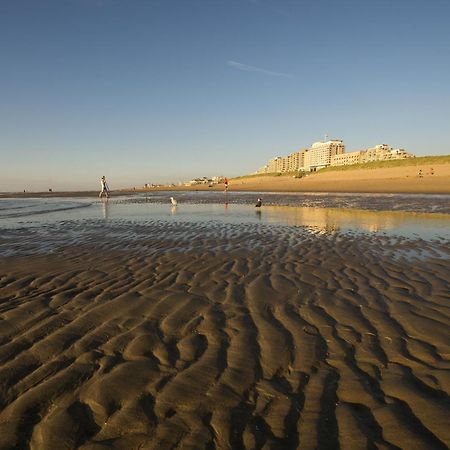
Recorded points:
(321,153)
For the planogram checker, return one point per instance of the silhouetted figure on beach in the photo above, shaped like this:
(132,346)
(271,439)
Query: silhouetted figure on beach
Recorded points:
(258,203)
(104,186)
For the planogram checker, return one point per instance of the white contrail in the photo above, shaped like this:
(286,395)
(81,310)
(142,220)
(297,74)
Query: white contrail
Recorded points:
(247,68)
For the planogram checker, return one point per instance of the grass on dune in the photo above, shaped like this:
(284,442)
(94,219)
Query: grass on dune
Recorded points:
(417,161)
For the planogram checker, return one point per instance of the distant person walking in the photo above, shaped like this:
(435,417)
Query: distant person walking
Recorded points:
(226,183)
(104,186)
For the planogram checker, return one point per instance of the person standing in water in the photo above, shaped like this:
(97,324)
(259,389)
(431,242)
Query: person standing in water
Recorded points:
(104,186)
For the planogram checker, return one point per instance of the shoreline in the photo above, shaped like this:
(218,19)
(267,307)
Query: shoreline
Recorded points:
(390,180)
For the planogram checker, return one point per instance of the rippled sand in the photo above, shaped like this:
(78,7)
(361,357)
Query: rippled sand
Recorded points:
(206,336)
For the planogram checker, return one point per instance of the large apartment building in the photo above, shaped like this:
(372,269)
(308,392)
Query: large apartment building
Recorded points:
(307,160)
(330,153)
(320,154)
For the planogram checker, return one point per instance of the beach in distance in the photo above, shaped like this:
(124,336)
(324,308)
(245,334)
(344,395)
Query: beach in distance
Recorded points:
(435,179)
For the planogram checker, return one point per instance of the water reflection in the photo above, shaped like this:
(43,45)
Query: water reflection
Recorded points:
(317,220)
(330,220)
(105,208)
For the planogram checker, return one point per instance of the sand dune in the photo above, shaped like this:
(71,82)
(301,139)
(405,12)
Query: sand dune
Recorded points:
(383,180)
(403,179)
(307,341)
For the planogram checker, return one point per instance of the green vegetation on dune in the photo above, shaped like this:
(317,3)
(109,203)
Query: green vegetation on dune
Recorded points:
(417,161)
(273,174)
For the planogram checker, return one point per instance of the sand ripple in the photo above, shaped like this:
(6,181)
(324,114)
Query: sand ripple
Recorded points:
(226,337)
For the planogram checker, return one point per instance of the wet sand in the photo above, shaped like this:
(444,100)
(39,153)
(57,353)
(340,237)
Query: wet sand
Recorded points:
(227,337)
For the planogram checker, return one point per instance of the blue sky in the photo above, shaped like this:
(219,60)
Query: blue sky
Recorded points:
(164,90)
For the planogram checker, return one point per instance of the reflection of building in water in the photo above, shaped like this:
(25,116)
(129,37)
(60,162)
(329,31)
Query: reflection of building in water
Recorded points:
(373,228)
(330,220)
(315,219)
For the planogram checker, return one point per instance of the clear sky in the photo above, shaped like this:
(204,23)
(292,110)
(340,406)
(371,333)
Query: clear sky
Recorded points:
(165,90)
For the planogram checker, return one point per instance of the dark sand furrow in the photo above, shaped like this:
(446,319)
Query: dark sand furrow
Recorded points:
(28,314)
(190,349)
(240,267)
(426,353)
(34,403)
(309,348)
(308,425)
(68,426)
(187,308)
(184,387)
(24,338)
(391,336)
(356,384)
(431,407)
(365,339)
(108,393)
(279,409)
(243,358)
(421,327)
(431,316)
(33,378)
(87,295)
(12,373)
(402,429)
(327,427)
(16,287)
(359,429)
(275,351)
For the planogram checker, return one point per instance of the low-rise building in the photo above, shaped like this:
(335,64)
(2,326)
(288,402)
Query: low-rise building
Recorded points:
(347,159)
(383,152)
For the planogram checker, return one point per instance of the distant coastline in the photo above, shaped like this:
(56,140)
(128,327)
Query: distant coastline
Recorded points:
(421,175)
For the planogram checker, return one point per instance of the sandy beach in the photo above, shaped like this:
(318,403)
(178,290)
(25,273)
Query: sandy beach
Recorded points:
(402,179)
(204,335)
